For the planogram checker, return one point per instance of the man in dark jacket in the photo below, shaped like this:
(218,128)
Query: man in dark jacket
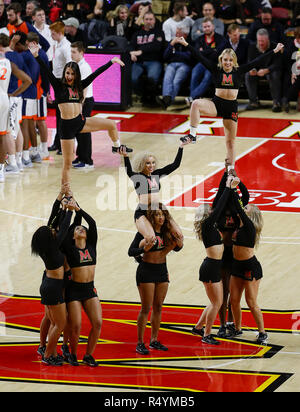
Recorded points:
(266,21)
(147,46)
(237,43)
(270,69)
(179,67)
(211,44)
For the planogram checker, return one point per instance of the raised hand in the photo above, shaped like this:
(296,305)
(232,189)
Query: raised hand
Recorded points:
(117,60)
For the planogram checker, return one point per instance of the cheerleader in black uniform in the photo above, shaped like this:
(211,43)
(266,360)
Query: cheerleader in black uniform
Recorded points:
(152,275)
(227,78)
(69,95)
(228,222)
(246,270)
(147,185)
(205,226)
(46,243)
(80,249)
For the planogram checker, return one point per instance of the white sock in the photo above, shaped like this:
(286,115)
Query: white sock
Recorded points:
(44,147)
(1,167)
(19,156)
(34,151)
(117,143)
(12,160)
(193,131)
(26,154)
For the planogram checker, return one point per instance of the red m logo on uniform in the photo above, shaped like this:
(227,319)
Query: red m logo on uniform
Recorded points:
(227,80)
(85,256)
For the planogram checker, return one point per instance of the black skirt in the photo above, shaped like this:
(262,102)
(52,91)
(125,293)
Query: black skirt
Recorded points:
(80,291)
(52,291)
(210,270)
(152,273)
(247,269)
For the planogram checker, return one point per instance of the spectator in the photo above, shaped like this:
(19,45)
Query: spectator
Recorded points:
(208,12)
(55,9)
(31,5)
(102,7)
(249,10)
(73,32)
(211,44)
(39,18)
(290,53)
(147,46)
(271,70)
(275,30)
(81,10)
(61,56)
(84,148)
(178,69)
(238,44)
(180,18)
(228,11)
(15,23)
(120,23)
(3,16)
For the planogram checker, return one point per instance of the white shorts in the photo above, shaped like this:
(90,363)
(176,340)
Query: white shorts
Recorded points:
(29,109)
(4,110)
(15,115)
(42,108)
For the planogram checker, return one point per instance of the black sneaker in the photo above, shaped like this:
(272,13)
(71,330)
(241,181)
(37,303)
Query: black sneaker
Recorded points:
(235,332)
(210,340)
(41,350)
(262,338)
(222,332)
(164,101)
(199,332)
(188,139)
(157,345)
(141,349)
(52,361)
(65,352)
(90,361)
(117,149)
(72,360)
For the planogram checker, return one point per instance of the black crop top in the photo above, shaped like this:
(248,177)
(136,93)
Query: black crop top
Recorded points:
(223,80)
(65,93)
(228,220)
(54,258)
(144,184)
(245,235)
(210,234)
(82,257)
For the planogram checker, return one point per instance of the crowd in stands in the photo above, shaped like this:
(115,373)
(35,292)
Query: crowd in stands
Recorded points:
(161,67)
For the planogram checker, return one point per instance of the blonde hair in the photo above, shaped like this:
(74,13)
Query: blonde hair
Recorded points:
(140,160)
(231,53)
(202,213)
(256,218)
(115,13)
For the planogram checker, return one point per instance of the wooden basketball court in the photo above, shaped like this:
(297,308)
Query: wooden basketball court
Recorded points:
(268,153)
